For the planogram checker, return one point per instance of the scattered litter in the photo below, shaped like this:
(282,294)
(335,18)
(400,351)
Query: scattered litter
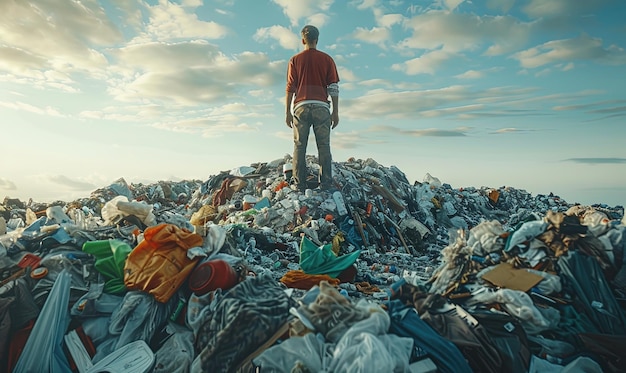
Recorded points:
(247,271)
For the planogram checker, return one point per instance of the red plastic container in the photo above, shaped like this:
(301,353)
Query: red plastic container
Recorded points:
(212,275)
(29,259)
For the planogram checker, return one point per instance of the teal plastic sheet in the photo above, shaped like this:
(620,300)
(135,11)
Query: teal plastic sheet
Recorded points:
(43,352)
(321,260)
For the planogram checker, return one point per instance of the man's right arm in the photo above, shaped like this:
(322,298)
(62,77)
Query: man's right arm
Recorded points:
(333,91)
(335,114)
(288,114)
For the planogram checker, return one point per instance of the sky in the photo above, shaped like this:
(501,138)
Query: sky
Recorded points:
(527,94)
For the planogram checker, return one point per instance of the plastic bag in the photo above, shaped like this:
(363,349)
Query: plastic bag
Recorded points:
(120,207)
(366,347)
(283,357)
(177,353)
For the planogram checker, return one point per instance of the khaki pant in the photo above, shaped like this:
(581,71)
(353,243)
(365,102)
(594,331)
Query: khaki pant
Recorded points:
(318,116)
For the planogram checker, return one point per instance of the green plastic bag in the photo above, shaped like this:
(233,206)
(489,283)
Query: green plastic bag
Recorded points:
(110,259)
(322,260)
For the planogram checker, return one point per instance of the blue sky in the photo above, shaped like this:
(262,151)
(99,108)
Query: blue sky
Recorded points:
(528,94)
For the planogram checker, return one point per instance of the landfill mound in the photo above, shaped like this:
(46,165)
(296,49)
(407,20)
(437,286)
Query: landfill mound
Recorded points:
(243,271)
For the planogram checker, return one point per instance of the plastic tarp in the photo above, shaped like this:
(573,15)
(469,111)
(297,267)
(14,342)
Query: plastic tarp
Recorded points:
(582,275)
(43,351)
(316,260)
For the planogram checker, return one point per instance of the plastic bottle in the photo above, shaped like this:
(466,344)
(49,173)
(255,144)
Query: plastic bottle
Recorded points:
(341,204)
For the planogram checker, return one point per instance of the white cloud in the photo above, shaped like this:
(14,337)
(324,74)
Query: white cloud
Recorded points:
(19,61)
(375,35)
(319,20)
(388,20)
(455,32)
(452,4)
(376,83)
(192,3)
(427,132)
(502,5)
(72,184)
(426,64)
(451,110)
(284,36)
(568,50)
(6,184)
(401,104)
(32,27)
(560,8)
(307,9)
(366,4)
(169,21)
(213,127)
(346,75)
(21,106)
(507,130)
(471,74)
(189,73)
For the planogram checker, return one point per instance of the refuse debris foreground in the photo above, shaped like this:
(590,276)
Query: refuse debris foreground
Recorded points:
(243,272)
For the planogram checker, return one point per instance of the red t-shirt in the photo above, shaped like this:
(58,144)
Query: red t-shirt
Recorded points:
(309,74)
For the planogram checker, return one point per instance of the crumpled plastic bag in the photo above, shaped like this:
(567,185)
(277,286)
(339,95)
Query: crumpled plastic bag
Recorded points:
(136,317)
(525,233)
(366,346)
(177,353)
(518,304)
(486,238)
(286,355)
(120,207)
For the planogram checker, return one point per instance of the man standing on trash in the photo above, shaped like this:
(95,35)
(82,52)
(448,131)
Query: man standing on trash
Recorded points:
(311,78)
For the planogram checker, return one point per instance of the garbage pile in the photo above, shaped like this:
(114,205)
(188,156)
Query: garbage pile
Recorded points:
(243,272)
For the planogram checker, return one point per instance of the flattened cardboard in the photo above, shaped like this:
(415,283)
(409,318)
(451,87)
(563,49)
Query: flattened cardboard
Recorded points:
(506,276)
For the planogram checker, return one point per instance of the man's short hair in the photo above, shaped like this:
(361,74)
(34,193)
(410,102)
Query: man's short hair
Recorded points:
(310,33)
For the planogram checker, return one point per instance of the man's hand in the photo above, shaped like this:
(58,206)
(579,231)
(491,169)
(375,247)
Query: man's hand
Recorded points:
(289,120)
(334,119)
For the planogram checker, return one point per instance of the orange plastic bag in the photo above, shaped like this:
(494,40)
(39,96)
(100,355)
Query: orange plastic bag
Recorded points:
(159,265)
